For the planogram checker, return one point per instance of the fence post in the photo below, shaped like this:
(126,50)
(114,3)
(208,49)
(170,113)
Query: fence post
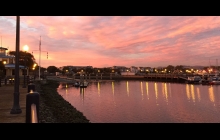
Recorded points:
(32,98)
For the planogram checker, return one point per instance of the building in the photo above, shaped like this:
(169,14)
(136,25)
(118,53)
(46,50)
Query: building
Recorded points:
(9,62)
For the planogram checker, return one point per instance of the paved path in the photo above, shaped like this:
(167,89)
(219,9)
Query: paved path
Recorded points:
(6,103)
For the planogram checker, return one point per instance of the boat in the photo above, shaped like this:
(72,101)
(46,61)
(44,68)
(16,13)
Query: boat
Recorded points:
(76,84)
(205,82)
(194,80)
(215,80)
(83,84)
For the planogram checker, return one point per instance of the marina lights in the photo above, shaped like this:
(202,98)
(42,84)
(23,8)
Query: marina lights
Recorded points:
(34,66)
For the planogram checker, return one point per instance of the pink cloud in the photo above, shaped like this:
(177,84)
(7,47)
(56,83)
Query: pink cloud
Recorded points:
(117,40)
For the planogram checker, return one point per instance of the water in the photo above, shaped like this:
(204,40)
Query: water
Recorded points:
(145,102)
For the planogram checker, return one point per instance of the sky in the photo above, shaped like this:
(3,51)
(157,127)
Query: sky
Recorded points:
(106,41)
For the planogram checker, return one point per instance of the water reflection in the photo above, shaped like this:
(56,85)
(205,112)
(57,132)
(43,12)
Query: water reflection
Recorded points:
(180,109)
(66,86)
(193,93)
(142,91)
(127,88)
(82,92)
(113,88)
(211,94)
(187,91)
(198,93)
(164,91)
(147,90)
(98,88)
(155,89)
(170,92)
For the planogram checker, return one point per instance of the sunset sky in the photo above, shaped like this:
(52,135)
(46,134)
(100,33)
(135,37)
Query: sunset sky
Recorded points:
(105,41)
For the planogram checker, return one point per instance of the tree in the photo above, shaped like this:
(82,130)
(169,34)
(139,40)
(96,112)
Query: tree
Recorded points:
(107,70)
(179,67)
(52,69)
(89,70)
(25,56)
(74,70)
(170,68)
(65,69)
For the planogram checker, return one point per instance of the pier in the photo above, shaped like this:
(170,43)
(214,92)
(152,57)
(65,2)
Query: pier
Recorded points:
(177,78)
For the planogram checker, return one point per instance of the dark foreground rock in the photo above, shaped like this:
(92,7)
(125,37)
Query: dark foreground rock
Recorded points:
(53,108)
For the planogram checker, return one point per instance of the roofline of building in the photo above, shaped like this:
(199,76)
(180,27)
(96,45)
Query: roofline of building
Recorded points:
(3,48)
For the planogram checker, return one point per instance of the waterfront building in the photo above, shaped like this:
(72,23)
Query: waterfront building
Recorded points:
(9,62)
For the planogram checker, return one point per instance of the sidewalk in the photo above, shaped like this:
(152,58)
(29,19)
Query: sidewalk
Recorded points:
(6,104)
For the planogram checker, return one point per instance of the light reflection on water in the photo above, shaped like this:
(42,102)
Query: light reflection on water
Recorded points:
(145,102)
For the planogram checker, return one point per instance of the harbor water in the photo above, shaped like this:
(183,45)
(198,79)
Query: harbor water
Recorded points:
(145,102)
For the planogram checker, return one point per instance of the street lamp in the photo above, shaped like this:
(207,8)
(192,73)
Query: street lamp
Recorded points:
(16,107)
(25,48)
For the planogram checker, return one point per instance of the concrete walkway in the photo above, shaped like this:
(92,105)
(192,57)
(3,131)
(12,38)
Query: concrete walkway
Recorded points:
(6,104)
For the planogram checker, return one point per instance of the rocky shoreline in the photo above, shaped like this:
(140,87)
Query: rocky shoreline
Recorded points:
(53,108)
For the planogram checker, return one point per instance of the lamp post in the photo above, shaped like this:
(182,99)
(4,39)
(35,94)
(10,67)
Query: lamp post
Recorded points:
(16,107)
(25,69)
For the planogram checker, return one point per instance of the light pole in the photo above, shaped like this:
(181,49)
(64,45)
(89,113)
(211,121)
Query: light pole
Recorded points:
(16,107)
(25,48)
(40,56)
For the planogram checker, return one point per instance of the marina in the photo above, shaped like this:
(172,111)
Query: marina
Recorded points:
(174,78)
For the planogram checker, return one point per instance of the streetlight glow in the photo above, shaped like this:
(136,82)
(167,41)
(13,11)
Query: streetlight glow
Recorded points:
(26,48)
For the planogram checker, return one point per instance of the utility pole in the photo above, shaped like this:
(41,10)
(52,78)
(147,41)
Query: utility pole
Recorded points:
(40,55)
